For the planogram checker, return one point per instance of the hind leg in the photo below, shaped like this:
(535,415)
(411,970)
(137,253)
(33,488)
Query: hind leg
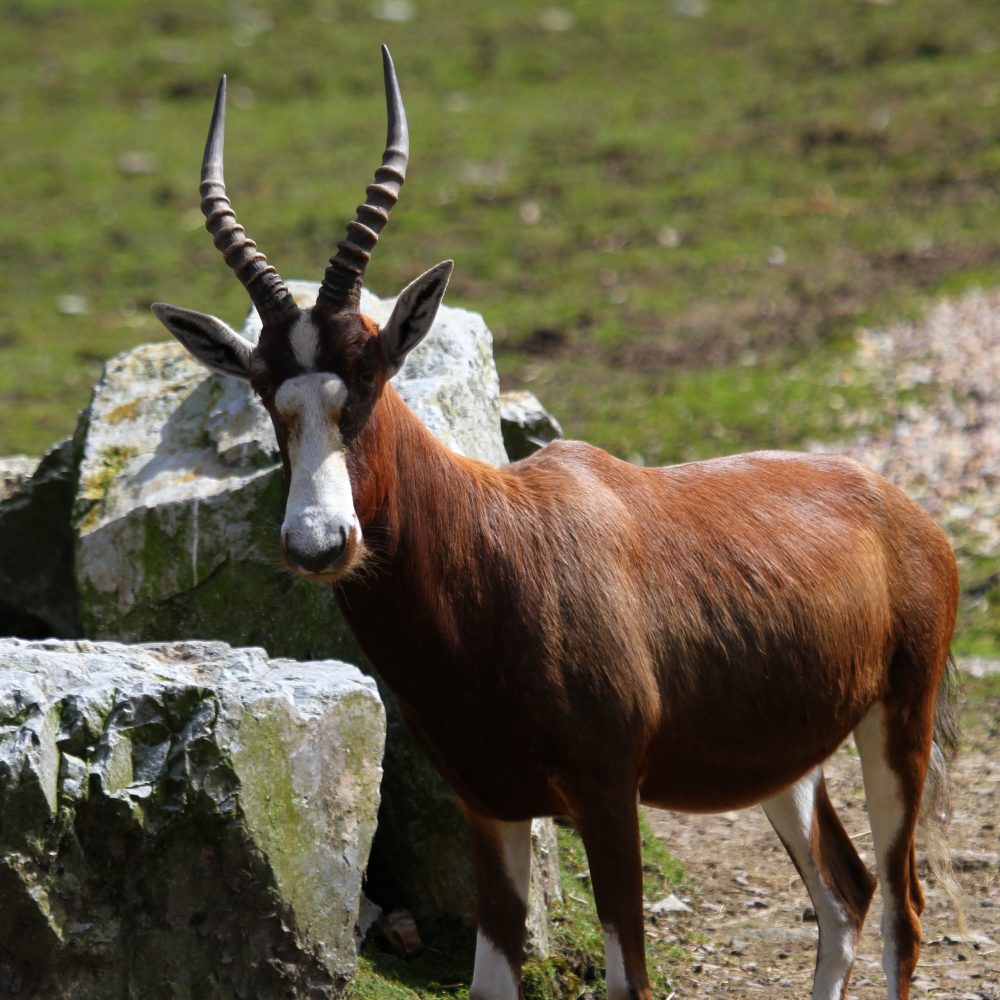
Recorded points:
(839,884)
(895,748)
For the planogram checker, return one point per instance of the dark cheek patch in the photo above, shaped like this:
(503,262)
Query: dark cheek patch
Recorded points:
(355,415)
(281,435)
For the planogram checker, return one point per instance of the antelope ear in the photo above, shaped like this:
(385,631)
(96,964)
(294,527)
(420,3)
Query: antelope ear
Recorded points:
(413,315)
(214,344)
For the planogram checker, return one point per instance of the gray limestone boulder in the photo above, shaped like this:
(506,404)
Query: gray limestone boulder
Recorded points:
(179,494)
(14,469)
(37,588)
(181,819)
(526,424)
(176,519)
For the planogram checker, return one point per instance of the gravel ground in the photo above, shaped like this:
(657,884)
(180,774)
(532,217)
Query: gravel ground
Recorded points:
(943,447)
(745,930)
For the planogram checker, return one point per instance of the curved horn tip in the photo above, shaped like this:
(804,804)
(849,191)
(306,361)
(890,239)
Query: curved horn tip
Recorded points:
(211,163)
(391,82)
(220,92)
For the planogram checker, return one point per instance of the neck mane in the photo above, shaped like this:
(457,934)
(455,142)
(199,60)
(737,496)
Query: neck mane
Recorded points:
(406,481)
(438,528)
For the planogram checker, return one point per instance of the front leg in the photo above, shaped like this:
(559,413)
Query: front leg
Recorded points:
(501,853)
(609,826)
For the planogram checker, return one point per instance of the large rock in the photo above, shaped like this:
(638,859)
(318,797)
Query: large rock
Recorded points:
(14,469)
(181,819)
(526,424)
(179,494)
(37,589)
(177,515)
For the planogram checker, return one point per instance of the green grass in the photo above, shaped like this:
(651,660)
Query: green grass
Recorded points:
(713,204)
(978,629)
(575,968)
(858,138)
(981,696)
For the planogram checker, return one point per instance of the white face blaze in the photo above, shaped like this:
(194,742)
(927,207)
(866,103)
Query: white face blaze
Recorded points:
(320,521)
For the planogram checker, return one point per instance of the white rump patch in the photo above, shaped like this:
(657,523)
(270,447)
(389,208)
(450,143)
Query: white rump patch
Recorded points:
(492,976)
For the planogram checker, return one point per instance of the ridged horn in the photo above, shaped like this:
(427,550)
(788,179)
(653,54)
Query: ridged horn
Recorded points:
(341,289)
(267,291)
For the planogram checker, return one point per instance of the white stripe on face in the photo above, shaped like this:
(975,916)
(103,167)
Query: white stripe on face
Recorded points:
(304,340)
(319,514)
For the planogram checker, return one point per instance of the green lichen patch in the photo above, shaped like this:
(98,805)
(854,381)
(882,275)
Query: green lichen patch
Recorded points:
(287,799)
(96,485)
(110,464)
(126,411)
(140,852)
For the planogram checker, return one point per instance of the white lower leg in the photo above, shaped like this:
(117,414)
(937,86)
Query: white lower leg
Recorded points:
(886,814)
(614,963)
(791,815)
(494,975)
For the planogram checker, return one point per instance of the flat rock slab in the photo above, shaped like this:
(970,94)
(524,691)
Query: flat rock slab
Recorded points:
(182,819)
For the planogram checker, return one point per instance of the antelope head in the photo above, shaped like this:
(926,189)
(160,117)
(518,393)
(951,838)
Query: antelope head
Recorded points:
(318,371)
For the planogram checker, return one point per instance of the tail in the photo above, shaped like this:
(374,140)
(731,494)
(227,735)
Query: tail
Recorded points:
(935,807)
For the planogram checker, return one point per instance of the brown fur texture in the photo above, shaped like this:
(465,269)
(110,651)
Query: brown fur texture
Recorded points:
(571,631)
(681,611)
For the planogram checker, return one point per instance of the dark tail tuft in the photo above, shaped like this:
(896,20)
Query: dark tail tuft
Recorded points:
(935,809)
(946,730)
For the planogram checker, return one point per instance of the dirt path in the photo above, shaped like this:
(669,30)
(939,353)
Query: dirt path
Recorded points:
(746,929)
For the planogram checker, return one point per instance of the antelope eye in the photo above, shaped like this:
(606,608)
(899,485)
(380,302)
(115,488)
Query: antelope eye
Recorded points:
(367,380)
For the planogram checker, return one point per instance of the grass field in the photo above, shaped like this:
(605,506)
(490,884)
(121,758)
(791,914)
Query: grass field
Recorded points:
(660,207)
(673,214)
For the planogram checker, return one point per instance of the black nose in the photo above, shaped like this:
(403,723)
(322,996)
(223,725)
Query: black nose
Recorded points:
(317,560)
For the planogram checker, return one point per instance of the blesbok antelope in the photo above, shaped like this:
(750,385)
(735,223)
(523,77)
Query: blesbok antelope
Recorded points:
(571,635)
